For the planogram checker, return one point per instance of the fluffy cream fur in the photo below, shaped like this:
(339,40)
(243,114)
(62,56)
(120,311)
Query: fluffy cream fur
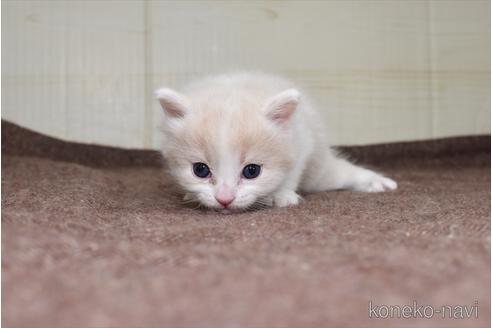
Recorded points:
(230,121)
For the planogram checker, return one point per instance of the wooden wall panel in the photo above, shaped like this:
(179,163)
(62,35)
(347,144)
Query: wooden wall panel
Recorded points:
(379,70)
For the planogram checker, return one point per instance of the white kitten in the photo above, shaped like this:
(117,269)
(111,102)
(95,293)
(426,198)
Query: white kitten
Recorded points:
(234,141)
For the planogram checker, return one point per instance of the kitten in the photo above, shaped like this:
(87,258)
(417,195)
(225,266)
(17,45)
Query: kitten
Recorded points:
(241,140)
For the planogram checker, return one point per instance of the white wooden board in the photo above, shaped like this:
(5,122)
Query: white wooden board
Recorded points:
(380,71)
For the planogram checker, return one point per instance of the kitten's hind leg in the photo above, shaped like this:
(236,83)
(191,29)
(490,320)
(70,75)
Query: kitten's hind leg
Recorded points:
(331,172)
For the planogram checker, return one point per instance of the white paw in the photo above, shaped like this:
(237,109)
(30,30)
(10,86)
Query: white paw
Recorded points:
(286,198)
(378,183)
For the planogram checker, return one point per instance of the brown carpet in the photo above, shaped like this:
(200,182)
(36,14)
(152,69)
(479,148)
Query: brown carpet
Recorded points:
(94,237)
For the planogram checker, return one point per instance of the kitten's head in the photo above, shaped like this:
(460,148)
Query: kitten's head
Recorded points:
(225,150)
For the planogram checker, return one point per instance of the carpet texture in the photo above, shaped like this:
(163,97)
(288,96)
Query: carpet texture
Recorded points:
(95,237)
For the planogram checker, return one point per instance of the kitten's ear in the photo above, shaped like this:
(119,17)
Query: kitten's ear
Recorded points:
(281,107)
(173,103)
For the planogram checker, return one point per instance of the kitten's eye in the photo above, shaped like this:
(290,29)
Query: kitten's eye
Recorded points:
(251,171)
(201,170)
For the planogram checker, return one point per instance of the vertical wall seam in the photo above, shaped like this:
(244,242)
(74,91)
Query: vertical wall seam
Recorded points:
(433,91)
(65,77)
(147,49)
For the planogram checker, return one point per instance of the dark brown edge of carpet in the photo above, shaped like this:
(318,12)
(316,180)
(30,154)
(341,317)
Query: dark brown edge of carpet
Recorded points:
(469,150)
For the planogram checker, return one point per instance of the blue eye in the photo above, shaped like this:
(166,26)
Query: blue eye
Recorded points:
(201,170)
(251,171)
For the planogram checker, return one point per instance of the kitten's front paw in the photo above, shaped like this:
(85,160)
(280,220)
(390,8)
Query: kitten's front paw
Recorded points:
(286,198)
(378,183)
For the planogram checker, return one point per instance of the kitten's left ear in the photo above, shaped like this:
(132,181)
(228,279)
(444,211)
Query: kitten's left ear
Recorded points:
(174,104)
(281,107)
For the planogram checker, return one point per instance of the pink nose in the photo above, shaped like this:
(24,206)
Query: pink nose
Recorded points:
(224,201)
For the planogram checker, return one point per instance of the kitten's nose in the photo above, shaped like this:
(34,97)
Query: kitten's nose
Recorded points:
(224,200)
(224,195)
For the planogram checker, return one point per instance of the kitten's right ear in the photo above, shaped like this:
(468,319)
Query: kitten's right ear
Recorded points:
(174,104)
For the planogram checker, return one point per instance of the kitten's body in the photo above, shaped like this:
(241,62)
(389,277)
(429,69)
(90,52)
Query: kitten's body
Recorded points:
(230,121)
